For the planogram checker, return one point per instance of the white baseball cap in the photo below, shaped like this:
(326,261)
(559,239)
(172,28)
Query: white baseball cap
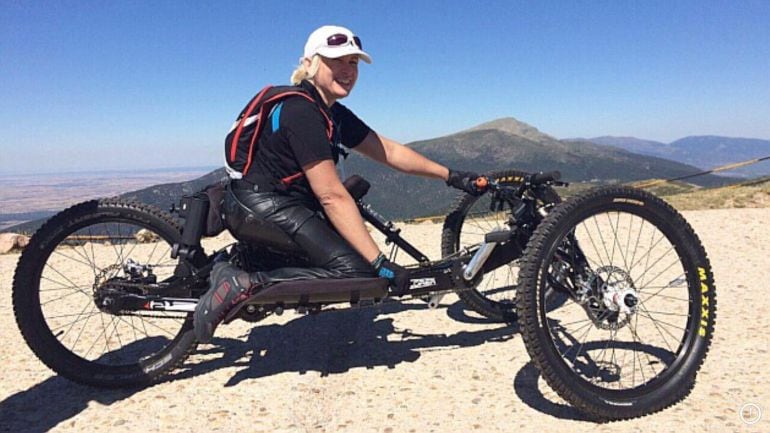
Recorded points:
(333,42)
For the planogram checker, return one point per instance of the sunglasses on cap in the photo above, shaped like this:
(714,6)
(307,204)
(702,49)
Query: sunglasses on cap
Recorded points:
(339,39)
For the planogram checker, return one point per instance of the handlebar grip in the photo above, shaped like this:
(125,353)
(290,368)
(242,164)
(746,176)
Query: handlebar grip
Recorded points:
(482,182)
(543,177)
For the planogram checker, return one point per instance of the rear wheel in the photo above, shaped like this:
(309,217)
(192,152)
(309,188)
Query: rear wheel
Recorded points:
(639,317)
(465,226)
(66,273)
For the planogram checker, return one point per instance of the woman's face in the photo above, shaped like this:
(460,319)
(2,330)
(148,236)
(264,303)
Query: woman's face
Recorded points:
(336,77)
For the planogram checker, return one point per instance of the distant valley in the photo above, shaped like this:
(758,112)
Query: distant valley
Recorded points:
(30,197)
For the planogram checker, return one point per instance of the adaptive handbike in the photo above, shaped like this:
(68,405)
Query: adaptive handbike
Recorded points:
(612,290)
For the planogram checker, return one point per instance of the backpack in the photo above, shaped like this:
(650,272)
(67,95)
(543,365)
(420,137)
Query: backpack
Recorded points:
(241,142)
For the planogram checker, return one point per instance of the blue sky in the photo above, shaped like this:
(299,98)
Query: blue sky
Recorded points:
(143,84)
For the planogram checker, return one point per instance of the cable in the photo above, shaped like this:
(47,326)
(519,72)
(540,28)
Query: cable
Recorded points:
(713,170)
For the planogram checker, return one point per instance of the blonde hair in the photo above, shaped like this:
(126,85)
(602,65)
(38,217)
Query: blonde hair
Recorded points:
(304,72)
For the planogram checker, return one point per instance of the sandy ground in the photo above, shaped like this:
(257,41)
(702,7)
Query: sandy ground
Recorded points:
(402,367)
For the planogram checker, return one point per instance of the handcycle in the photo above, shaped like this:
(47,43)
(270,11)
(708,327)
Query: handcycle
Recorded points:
(104,293)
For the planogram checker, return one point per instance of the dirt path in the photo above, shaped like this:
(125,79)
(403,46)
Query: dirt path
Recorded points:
(401,367)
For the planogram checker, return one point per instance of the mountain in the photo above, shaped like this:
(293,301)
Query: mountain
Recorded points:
(710,151)
(514,127)
(636,145)
(501,144)
(496,145)
(705,152)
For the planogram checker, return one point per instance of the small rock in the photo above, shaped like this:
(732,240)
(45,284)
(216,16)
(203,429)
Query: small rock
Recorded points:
(12,241)
(145,236)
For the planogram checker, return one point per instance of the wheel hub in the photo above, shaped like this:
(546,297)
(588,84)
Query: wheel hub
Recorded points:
(109,289)
(610,298)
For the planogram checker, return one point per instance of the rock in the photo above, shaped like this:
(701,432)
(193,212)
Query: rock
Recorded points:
(145,236)
(12,241)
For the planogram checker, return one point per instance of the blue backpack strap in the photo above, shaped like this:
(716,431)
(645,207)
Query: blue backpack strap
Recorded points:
(276,115)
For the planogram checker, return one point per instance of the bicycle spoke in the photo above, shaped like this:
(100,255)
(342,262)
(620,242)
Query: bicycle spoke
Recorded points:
(76,292)
(57,252)
(604,244)
(81,318)
(83,328)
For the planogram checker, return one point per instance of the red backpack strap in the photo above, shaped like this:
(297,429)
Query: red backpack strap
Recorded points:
(246,114)
(258,107)
(288,180)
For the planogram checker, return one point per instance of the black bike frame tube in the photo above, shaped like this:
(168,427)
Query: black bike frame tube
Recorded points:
(391,233)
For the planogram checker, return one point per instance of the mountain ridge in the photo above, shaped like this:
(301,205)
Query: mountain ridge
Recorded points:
(504,143)
(513,126)
(702,151)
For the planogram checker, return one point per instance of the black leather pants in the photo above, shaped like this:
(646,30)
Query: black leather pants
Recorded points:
(329,255)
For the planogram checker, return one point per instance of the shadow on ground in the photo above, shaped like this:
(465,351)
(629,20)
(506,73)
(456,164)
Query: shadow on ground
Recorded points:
(335,342)
(328,343)
(525,386)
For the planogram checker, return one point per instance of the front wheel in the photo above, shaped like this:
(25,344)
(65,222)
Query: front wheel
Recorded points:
(65,277)
(640,308)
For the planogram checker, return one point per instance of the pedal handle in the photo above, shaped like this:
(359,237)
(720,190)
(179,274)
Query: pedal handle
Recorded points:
(482,182)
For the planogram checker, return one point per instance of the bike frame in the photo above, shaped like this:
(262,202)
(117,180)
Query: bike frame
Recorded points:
(461,271)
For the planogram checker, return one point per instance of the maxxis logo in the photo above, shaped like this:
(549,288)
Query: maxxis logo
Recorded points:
(704,300)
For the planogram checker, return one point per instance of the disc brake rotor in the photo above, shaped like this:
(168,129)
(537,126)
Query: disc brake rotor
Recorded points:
(609,297)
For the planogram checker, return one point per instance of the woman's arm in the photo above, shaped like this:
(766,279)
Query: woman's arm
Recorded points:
(340,207)
(400,157)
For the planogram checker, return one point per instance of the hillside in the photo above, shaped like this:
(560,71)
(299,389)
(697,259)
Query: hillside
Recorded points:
(750,194)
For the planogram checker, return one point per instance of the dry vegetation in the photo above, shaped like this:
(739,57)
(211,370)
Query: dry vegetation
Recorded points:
(749,194)
(753,193)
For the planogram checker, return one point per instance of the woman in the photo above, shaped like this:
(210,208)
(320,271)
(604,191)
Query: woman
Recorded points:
(295,144)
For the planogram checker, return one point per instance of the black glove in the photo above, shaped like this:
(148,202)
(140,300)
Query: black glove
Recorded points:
(397,275)
(464,181)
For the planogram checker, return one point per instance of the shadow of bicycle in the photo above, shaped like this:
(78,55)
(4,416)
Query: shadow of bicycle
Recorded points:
(328,343)
(335,342)
(587,367)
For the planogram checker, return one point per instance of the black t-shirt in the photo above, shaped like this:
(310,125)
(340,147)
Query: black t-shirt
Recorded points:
(301,138)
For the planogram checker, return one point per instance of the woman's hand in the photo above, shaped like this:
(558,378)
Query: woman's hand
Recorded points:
(395,273)
(464,181)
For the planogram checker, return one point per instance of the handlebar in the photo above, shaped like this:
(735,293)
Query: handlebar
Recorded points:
(544,177)
(484,183)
